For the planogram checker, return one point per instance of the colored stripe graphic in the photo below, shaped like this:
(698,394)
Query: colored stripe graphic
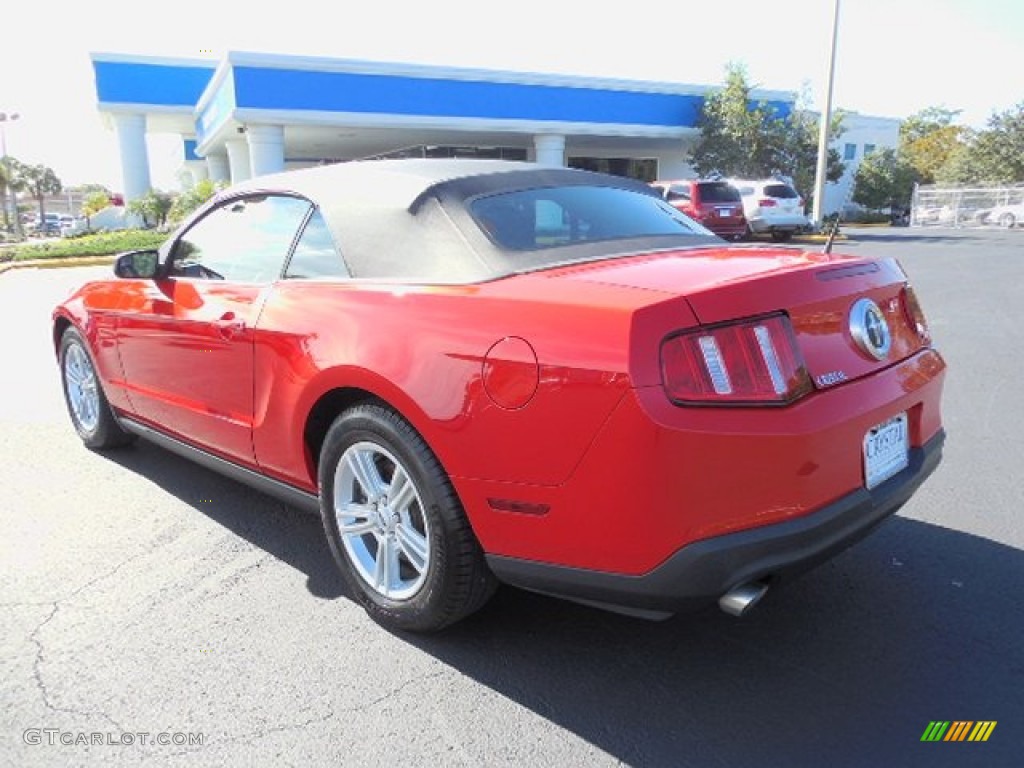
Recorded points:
(958,730)
(982,730)
(935,730)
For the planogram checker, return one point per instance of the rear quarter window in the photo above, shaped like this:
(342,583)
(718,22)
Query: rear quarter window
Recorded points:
(543,218)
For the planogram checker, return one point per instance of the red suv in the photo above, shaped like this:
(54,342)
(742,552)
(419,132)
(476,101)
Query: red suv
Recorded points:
(715,204)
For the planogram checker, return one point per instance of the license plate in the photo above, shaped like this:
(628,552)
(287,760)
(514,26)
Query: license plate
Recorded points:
(724,212)
(886,450)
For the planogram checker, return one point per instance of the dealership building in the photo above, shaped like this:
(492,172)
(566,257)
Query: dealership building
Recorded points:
(254,114)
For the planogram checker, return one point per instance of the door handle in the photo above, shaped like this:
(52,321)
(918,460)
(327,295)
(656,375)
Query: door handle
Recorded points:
(229,324)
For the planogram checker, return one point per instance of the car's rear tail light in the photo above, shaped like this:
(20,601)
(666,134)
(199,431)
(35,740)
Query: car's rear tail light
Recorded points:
(750,362)
(915,315)
(766,202)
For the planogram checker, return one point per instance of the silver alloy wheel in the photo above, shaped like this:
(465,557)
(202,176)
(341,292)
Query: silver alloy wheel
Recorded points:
(82,388)
(381,521)
(1007,221)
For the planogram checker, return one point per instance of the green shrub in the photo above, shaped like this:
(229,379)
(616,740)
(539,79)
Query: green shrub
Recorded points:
(188,201)
(102,244)
(868,217)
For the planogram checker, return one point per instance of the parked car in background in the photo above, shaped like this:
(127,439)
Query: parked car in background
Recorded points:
(771,206)
(1006,216)
(714,203)
(50,225)
(73,226)
(481,372)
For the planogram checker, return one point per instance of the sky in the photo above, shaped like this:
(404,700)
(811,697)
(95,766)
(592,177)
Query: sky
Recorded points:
(893,58)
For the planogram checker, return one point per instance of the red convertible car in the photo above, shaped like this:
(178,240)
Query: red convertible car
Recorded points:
(481,372)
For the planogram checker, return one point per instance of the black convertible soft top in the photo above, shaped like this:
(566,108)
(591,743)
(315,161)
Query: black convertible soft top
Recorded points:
(414,220)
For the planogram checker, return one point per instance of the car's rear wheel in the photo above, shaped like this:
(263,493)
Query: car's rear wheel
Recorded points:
(1007,220)
(395,525)
(87,405)
(781,235)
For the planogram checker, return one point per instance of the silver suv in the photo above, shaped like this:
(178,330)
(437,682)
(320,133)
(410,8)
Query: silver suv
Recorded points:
(772,207)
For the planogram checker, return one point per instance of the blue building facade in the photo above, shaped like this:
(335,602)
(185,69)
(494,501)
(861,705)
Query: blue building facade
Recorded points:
(252,114)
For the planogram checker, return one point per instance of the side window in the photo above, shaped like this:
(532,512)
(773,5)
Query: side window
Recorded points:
(850,152)
(244,240)
(315,254)
(678,192)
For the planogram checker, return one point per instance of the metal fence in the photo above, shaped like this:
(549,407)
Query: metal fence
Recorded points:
(934,206)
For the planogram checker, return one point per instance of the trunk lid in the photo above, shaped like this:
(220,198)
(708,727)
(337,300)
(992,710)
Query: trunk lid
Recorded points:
(818,291)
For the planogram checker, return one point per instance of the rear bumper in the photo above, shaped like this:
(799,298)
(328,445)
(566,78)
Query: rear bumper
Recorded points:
(699,573)
(727,229)
(777,223)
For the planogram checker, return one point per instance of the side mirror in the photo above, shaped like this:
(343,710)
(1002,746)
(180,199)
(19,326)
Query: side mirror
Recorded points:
(137,264)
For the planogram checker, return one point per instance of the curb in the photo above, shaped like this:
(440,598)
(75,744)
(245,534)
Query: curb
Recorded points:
(76,261)
(817,239)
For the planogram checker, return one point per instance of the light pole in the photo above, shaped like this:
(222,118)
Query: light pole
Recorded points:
(9,117)
(823,129)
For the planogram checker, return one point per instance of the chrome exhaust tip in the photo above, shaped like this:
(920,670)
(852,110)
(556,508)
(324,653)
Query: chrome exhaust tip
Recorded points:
(738,600)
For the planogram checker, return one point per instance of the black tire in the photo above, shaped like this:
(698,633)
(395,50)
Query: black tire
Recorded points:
(87,405)
(782,236)
(1007,221)
(370,446)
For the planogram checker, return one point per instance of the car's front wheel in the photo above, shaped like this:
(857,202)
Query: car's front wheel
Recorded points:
(395,525)
(87,405)
(1007,221)
(782,235)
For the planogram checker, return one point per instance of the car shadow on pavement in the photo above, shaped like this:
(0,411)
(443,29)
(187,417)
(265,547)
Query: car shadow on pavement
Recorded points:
(843,667)
(289,534)
(846,666)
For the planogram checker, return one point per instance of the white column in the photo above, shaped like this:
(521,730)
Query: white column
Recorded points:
(238,159)
(266,148)
(549,149)
(131,137)
(218,167)
(197,171)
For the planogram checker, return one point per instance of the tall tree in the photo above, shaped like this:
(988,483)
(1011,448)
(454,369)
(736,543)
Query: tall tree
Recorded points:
(740,137)
(10,185)
(928,139)
(999,149)
(883,180)
(737,138)
(4,186)
(993,155)
(40,181)
(797,155)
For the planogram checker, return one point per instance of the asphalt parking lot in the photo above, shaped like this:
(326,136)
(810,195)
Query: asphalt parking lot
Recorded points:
(143,596)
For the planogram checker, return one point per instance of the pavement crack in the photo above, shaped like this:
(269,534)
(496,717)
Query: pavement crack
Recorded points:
(257,734)
(395,692)
(40,656)
(274,729)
